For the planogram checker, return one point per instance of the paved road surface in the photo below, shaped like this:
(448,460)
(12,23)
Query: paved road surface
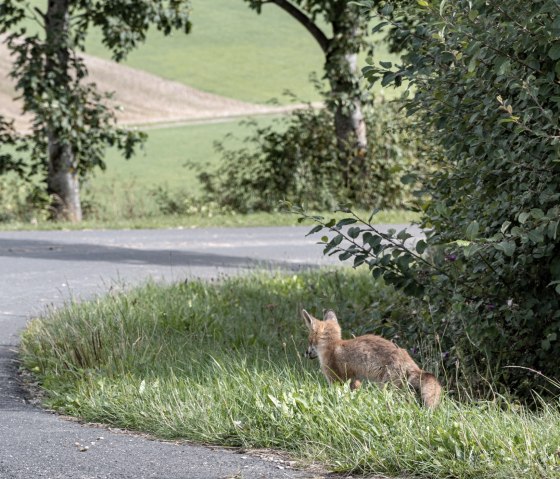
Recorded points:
(43,269)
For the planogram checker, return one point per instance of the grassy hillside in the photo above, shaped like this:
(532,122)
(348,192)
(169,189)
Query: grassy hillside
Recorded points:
(232,52)
(171,159)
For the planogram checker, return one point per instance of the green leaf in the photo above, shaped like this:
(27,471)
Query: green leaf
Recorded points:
(554,52)
(408,178)
(379,26)
(386,64)
(472,230)
(523,217)
(403,235)
(346,222)
(387,78)
(315,230)
(552,229)
(505,226)
(337,240)
(555,268)
(536,236)
(421,246)
(506,247)
(354,232)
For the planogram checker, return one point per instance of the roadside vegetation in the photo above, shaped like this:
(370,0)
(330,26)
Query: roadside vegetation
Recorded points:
(222,363)
(160,186)
(473,145)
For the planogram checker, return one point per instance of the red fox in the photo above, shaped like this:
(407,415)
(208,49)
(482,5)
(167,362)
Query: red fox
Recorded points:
(365,357)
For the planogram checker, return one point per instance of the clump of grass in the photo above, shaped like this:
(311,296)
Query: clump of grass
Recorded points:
(220,363)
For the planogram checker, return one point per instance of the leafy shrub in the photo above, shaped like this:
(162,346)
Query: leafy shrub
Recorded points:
(183,203)
(487,80)
(298,160)
(21,201)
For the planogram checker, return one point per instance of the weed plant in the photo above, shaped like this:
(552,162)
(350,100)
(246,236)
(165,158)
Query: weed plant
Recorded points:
(221,363)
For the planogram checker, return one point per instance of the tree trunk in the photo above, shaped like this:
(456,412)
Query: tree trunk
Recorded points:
(62,180)
(349,120)
(342,72)
(341,68)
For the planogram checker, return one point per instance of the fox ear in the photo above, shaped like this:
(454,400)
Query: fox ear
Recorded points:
(308,319)
(330,316)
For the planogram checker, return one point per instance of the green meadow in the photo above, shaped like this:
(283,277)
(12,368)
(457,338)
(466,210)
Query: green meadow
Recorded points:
(222,363)
(236,53)
(231,51)
(171,159)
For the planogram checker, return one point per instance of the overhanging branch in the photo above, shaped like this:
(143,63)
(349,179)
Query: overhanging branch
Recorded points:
(302,18)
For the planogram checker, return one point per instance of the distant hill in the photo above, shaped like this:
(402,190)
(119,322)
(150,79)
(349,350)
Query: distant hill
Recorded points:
(144,98)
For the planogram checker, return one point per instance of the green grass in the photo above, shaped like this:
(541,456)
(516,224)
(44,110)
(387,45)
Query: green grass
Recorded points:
(172,156)
(171,160)
(233,52)
(221,363)
(236,53)
(202,221)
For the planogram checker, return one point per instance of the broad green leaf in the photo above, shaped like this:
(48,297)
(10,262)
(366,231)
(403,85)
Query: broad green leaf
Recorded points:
(421,246)
(408,178)
(554,51)
(472,230)
(354,232)
(523,217)
(506,247)
(505,226)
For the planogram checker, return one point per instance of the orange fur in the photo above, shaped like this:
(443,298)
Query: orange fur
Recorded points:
(367,357)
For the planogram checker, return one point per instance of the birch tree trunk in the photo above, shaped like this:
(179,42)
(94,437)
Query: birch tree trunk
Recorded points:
(342,72)
(62,180)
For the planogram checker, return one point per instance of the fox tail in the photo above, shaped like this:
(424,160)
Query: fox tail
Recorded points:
(427,386)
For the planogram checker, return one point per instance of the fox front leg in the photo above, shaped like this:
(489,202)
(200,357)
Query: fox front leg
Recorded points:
(355,384)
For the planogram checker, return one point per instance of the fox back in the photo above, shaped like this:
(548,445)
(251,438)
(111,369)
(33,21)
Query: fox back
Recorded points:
(367,357)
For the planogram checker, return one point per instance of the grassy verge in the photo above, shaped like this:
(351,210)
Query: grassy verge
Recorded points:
(220,363)
(202,221)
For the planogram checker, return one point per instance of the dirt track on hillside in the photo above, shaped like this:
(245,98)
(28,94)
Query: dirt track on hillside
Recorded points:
(144,98)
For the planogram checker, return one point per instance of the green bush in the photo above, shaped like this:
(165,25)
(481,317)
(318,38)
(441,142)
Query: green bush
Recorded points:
(297,160)
(486,82)
(21,201)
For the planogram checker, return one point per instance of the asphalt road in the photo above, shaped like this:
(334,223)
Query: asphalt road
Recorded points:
(39,270)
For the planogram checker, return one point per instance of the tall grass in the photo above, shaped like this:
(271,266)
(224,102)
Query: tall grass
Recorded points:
(220,363)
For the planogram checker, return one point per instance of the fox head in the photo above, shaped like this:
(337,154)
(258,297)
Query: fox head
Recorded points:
(320,332)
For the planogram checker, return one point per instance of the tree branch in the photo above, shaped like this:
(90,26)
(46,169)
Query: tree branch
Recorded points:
(302,18)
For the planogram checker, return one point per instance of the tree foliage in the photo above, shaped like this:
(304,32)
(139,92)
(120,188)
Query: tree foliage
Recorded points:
(297,160)
(340,46)
(73,122)
(485,82)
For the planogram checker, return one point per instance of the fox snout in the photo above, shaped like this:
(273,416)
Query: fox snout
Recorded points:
(311,352)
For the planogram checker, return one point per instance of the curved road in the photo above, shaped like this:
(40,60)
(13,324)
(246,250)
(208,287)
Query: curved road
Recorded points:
(43,269)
